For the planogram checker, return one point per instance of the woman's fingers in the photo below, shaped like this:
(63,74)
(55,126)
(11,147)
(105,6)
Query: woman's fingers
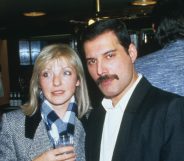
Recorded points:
(65,153)
(66,157)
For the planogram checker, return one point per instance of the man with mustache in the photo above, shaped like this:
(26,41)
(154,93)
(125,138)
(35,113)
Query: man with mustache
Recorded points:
(137,121)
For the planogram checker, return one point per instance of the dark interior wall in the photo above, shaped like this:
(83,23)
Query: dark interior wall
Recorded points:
(13,61)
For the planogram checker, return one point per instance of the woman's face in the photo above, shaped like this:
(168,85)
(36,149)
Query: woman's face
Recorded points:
(58,82)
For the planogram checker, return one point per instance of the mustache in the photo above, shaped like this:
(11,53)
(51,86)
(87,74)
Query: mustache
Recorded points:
(106,77)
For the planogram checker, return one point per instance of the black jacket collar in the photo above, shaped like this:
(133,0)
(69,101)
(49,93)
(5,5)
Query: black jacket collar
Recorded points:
(31,124)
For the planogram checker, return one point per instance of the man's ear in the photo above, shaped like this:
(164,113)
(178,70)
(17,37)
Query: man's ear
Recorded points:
(132,50)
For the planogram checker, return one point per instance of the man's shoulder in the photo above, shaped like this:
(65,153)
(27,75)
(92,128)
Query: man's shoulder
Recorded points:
(161,95)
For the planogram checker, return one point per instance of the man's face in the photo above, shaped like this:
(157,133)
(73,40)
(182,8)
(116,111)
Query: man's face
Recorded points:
(110,66)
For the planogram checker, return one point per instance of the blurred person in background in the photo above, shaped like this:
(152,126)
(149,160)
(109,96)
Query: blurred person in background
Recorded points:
(165,67)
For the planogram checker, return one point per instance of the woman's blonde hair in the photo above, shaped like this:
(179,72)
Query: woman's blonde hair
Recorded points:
(57,52)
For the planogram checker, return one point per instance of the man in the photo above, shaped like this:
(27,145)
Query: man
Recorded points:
(137,122)
(164,68)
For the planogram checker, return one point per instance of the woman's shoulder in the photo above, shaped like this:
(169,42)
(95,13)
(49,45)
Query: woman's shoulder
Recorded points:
(78,122)
(12,122)
(79,128)
(14,113)
(14,116)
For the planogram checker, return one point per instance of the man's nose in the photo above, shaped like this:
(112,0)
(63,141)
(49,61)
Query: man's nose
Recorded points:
(101,70)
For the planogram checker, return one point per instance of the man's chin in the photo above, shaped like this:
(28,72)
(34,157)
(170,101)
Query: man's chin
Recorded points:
(107,94)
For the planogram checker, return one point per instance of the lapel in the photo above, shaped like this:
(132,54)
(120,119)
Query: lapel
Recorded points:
(121,148)
(35,130)
(95,133)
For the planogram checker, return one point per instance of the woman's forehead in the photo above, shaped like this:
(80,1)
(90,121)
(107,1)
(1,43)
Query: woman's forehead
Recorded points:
(58,61)
(62,62)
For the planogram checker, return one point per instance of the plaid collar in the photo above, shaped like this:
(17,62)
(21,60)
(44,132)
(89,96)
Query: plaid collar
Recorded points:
(55,125)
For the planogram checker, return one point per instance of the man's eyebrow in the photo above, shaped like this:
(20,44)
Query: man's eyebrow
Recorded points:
(89,59)
(107,52)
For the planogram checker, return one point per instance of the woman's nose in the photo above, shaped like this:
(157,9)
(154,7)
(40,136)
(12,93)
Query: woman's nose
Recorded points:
(57,80)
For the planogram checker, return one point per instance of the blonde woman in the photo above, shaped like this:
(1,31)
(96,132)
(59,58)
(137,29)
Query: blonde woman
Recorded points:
(58,99)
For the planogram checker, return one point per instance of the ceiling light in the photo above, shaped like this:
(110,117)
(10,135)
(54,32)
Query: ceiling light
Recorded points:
(34,13)
(97,16)
(91,21)
(144,2)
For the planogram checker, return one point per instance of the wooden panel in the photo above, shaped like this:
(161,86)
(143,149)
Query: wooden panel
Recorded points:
(4,94)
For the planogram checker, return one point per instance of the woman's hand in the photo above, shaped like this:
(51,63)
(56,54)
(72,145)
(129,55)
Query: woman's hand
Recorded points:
(59,154)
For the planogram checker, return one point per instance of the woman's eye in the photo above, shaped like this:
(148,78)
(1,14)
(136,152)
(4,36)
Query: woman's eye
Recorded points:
(67,73)
(45,74)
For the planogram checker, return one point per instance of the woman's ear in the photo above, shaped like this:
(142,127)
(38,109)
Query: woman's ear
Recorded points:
(77,83)
(132,50)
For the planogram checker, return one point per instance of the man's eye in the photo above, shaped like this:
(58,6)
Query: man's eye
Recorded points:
(91,61)
(109,55)
(67,73)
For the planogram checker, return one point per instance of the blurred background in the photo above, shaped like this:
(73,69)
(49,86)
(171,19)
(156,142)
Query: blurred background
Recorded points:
(27,26)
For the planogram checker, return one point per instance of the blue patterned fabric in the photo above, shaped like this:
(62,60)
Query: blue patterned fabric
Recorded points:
(165,68)
(55,125)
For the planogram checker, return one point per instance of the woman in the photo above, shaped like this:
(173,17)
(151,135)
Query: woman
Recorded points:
(58,97)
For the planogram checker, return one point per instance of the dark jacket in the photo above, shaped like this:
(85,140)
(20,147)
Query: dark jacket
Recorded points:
(152,128)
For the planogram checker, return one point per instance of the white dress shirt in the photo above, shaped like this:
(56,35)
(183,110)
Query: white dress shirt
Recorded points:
(112,123)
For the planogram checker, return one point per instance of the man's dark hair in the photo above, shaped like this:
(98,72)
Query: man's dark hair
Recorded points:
(117,26)
(168,20)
